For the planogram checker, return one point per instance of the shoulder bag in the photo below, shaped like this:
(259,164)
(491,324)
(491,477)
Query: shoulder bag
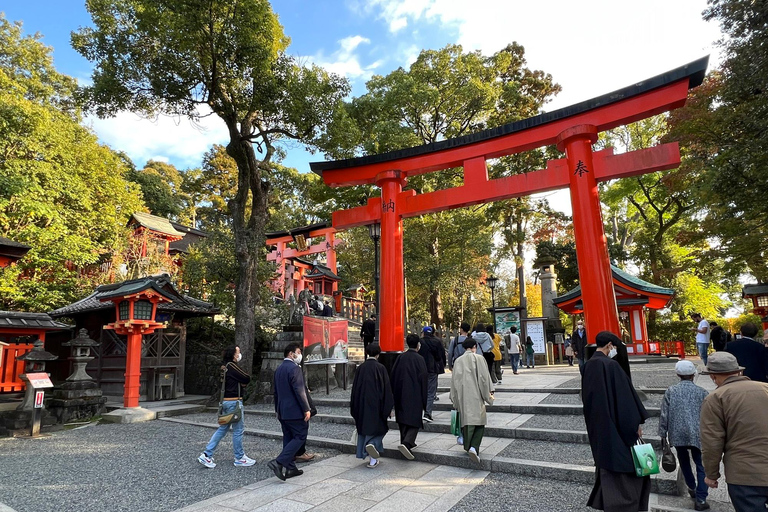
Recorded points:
(232,417)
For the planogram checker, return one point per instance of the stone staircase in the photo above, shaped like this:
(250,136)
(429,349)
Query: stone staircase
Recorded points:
(188,404)
(355,351)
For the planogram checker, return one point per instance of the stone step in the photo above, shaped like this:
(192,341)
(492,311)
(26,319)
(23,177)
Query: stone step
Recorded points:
(553,409)
(436,448)
(443,426)
(554,391)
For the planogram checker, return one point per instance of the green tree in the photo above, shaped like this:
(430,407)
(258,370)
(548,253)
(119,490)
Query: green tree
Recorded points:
(60,191)
(165,57)
(161,187)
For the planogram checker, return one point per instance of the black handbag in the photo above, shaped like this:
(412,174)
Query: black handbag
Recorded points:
(668,460)
(312,408)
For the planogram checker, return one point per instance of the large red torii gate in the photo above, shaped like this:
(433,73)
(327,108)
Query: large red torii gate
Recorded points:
(574,129)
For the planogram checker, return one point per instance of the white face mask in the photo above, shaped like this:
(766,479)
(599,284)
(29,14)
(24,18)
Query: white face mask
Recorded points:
(581,327)
(612,353)
(238,357)
(297,359)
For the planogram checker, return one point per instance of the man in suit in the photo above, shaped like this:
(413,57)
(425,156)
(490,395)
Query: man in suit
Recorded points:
(368,331)
(293,412)
(579,344)
(753,356)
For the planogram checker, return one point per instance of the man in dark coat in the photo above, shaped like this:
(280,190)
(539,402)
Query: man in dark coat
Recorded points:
(579,344)
(613,413)
(432,351)
(409,386)
(718,337)
(293,412)
(753,356)
(370,405)
(368,331)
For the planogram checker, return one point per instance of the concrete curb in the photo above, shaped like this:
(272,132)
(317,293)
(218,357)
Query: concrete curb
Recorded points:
(6,508)
(661,484)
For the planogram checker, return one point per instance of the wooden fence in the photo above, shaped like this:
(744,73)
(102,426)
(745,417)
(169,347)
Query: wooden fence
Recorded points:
(10,368)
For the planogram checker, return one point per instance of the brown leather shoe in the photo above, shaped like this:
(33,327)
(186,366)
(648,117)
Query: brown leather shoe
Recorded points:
(304,458)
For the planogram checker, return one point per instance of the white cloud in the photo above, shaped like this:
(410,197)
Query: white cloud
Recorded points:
(167,139)
(345,61)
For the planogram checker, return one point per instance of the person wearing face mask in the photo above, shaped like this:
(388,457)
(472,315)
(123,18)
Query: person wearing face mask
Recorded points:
(293,412)
(235,379)
(613,413)
(579,344)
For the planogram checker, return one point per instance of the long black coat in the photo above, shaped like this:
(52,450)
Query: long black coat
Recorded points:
(372,399)
(409,386)
(579,343)
(753,356)
(613,412)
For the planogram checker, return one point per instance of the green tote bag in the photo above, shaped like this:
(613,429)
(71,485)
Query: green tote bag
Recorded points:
(644,457)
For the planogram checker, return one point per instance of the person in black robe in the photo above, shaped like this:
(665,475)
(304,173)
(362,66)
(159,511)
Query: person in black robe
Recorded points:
(613,413)
(368,331)
(371,404)
(409,386)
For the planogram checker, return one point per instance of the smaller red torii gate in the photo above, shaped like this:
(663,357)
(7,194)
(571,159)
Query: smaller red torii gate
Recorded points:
(573,129)
(282,253)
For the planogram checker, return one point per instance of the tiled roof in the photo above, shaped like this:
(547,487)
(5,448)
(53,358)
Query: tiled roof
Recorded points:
(12,248)
(155,223)
(191,236)
(321,270)
(32,321)
(161,283)
(628,279)
(754,289)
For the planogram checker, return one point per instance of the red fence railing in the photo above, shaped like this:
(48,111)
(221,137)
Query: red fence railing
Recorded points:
(10,368)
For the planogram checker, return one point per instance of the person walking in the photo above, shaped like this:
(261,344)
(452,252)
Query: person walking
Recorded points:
(470,391)
(702,336)
(530,361)
(370,405)
(409,387)
(579,344)
(680,413)
(750,354)
(613,413)
(733,428)
(455,348)
(514,349)
(368,330)
(496,352)
(431,349)
(293,412)
(235,379)
(718,337)
(568,350)
(485,347)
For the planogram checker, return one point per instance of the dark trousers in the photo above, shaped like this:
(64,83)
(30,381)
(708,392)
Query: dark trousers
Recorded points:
(367,340)
(748,498)
(581,365)
(489,359)
(408,435)
(473,436)
(685,466)
(431,391)
(294,437)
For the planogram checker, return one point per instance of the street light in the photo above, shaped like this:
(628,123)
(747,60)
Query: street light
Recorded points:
(374,231)
(490,282)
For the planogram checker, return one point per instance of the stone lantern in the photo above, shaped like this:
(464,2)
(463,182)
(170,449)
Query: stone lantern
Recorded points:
(78,397)
(34,362)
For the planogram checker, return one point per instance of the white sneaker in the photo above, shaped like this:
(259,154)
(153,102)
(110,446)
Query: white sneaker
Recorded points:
(245,462)
(459,440)
(473,455)
(206,461)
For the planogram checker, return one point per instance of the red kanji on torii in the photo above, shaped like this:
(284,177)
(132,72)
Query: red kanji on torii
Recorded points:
(573,129)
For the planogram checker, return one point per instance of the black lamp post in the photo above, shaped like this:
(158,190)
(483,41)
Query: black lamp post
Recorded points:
(374,231)
(491,283)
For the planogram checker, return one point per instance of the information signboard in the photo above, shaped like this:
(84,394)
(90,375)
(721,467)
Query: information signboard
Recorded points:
(39,380)
(507,319)
(39,396)
(534,327)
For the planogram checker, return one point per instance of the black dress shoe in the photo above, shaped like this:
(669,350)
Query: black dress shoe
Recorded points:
(293,472)
(277,468)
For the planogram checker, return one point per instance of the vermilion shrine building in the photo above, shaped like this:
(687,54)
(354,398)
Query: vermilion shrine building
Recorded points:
(633,298)
(572,129)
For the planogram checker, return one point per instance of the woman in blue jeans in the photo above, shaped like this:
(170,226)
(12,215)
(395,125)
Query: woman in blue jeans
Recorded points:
(235,380)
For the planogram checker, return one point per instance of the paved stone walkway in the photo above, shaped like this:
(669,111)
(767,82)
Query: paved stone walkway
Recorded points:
(343,483)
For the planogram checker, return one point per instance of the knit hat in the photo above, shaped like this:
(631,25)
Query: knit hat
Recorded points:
(684,367)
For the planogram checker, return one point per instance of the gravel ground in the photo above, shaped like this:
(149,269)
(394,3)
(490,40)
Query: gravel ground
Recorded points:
(654,400)
(501,492)
(562,422)
(142,467)
(270,423)
(566,453)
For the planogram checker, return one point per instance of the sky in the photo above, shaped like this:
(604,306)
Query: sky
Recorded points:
(590,48)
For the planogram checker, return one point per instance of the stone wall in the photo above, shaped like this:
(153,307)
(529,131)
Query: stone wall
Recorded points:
(203,374)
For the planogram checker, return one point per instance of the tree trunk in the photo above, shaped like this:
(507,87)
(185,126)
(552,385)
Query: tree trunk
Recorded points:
(248,225)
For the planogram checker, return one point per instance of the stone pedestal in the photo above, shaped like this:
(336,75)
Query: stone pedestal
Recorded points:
(129,415)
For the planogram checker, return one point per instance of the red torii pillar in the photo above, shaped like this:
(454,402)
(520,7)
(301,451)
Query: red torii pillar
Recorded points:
(573,129)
